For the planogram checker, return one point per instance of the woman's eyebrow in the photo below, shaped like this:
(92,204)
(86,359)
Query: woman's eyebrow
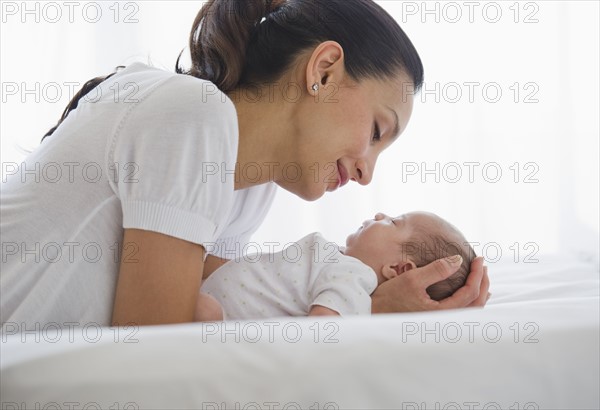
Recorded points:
(396,131)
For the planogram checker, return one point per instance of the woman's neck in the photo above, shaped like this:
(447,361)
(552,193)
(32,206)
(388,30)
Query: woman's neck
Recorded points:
(263,130)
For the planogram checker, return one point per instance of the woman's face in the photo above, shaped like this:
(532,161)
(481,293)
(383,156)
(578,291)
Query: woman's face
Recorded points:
(343,129)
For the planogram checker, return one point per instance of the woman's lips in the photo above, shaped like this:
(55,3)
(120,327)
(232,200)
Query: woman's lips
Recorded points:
(343,175)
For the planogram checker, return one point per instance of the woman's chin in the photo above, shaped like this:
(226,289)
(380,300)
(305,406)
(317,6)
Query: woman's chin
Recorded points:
(308,193)
(310,196)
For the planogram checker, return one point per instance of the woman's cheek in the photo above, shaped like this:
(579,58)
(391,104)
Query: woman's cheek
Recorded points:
(361,143)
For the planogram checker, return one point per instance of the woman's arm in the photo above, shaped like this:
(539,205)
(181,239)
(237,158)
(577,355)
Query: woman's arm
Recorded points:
(407,292)
(159,279)
(211,264)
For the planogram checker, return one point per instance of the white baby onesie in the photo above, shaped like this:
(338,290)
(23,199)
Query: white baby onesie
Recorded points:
(312,271)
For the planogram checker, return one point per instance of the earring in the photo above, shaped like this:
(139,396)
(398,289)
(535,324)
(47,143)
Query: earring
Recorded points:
(315,87)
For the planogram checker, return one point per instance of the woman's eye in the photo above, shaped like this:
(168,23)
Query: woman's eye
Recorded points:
(376,133)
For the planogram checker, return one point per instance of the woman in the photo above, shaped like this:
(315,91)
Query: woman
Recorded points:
(140,181)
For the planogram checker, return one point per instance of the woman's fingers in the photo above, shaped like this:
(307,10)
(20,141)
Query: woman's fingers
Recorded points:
(407,292)
(470,291)
(402,294)
(484,295)
(436,271)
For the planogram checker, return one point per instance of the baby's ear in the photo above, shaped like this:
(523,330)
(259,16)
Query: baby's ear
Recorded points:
(391,271)
(408,265)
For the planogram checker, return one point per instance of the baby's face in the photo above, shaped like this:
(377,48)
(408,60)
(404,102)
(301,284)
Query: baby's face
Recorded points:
(378,241)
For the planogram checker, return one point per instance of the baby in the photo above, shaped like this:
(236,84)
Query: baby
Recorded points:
(316,277)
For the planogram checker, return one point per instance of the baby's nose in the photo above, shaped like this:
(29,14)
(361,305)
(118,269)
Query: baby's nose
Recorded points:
(379,216)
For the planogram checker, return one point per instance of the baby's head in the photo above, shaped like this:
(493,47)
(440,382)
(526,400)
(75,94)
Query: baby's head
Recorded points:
(391,246)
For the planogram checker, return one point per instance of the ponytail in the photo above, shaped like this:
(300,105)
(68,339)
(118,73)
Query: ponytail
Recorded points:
(87,87)
(238,43)
(219,39)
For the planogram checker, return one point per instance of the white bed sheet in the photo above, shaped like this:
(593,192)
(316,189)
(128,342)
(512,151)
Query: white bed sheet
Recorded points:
(535,346)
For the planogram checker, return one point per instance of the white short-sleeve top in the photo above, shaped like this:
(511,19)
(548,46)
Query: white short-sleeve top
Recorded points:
(146,149)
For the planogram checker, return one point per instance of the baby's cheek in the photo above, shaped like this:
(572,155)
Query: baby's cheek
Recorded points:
(353,239)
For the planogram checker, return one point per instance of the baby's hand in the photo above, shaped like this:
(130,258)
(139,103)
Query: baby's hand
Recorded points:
(208,309)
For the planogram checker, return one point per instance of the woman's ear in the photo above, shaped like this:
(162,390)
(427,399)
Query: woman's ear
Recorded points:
(325,65)
(391,271)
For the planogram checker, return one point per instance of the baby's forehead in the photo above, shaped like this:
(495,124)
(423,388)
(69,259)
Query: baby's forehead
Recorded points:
(422,218)
(429,223)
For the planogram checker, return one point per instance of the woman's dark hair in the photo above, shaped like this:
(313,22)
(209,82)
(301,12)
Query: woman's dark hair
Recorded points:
(87,87)
(239,42)
(234,43)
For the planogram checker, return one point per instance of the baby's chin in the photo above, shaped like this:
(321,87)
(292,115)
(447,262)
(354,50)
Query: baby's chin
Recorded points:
(349,239)
(352,247)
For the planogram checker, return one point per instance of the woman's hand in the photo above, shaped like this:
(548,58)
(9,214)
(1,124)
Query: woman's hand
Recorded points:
(407,292)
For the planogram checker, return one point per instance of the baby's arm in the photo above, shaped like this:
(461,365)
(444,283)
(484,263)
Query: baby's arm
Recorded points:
(318,310)
(208,309)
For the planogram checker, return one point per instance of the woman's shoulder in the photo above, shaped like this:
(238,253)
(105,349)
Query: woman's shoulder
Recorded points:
(182,97)
(174,116)
(201,96)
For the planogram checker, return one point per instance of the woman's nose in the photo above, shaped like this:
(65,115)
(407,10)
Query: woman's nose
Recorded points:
(363,173)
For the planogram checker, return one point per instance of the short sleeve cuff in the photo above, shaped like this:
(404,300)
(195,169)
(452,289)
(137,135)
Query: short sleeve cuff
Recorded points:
(348,305)
(229,248)
(170,221)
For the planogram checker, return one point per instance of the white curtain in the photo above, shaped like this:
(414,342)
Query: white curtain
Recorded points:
(503,142)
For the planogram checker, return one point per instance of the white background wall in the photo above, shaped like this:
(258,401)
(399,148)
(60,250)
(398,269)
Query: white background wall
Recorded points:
(542,56)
